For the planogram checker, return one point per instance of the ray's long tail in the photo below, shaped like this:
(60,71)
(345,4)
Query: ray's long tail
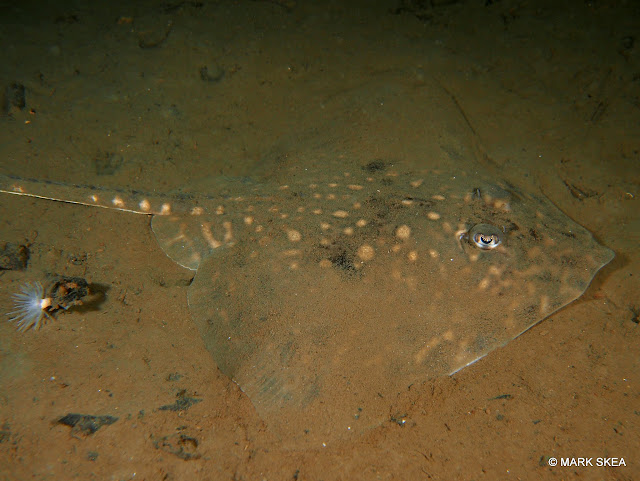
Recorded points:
(118,199)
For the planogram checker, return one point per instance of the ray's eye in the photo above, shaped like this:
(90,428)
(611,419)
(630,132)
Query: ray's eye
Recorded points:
(485,236)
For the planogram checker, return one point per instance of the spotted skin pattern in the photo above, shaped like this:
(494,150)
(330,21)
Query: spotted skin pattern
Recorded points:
(334,293)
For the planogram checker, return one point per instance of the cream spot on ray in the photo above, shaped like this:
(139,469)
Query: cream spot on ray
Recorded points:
(165,209)
(317,211)
(220,210)
(317,196)
(145,205)
(462,357)
(348,231)
(283,187)
(433,253)
(361,223)
(332,185)
(300,209)
(197,211)
(416,183)
(365,252)
(341,214)
(412,256)
(195,258)
(357,205)
(208,235)
(424,351)
(502,204)
(331,197)
(248,220)
(118,202)
(228,231)
(355,187)
(325,263)
(544,304)
(438,197)
(433,216)
(407,202)
(495,271)
(293,235)
(181,237)
(403,232)
(325,226)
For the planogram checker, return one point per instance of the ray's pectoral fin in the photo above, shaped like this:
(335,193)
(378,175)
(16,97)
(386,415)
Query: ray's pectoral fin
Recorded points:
(231,303)
(268,329)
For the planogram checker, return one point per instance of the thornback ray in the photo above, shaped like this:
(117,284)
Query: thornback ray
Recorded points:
(329,287)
